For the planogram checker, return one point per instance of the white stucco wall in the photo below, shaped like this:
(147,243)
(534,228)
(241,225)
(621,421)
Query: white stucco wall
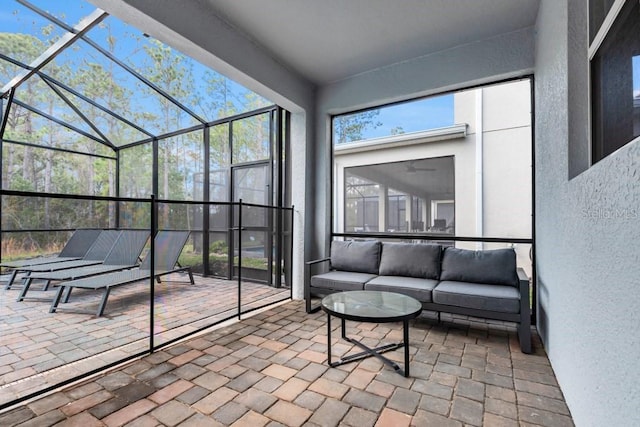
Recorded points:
(588,228)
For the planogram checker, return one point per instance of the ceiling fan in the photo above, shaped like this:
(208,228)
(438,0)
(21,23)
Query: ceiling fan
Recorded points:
(412,169)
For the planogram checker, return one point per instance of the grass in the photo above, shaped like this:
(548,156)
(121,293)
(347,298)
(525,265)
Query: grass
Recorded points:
(12,250)
(191,258)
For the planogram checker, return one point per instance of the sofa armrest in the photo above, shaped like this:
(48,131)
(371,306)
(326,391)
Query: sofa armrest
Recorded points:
(524,329)
(317,261)
(523,285)
(307,281)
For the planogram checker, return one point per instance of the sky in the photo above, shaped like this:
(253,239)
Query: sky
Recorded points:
(16,18)
(415,116)
(636,75)
(412,116)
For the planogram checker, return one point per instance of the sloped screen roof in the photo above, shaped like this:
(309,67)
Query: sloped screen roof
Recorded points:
(110,86)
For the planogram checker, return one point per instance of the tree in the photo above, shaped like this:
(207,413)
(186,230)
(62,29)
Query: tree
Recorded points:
(352,127)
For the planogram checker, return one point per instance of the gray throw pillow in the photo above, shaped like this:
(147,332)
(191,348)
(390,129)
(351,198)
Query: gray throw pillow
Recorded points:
(496,267)
(359,257)
(410,260)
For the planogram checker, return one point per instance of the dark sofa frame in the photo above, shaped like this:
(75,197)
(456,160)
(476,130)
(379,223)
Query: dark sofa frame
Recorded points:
(523,318)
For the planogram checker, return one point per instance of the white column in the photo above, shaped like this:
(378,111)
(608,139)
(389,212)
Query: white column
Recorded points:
(383,207)
(408,211)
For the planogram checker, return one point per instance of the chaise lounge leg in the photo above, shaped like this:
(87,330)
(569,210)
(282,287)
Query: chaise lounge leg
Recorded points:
(25,287)
(103,303)
(67,294)
(56,300)
(12,277)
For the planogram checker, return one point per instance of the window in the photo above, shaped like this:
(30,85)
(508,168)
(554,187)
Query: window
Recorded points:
(615,75)
(406,117)
(471,179)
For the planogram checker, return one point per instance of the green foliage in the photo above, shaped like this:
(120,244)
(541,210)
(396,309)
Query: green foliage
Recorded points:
(219,247)
(180,158)
(351,127)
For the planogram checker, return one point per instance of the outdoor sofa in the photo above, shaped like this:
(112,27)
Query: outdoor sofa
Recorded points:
(484,284)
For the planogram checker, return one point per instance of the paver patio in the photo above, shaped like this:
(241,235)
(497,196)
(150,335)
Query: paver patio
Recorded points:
(270,369)
(39,349)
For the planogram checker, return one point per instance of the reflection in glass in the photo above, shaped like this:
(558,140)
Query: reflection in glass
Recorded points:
(636,94)
(614,78)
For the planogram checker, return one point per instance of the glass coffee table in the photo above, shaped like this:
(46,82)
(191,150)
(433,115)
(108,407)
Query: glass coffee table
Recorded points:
(375,307)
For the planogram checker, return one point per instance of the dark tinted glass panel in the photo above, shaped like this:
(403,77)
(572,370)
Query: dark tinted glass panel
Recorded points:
(598,10)
(615,76)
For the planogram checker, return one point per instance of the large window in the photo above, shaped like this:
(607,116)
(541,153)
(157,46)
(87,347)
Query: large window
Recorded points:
(467,183)
(615,75)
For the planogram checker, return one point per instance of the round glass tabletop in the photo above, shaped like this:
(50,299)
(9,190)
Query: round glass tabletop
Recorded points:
(371,306)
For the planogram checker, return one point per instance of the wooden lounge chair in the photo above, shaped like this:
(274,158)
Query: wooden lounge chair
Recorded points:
(99,248)
(124,254)
(168,244)
(75,248)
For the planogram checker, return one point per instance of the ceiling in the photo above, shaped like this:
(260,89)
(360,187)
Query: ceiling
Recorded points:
(330,40)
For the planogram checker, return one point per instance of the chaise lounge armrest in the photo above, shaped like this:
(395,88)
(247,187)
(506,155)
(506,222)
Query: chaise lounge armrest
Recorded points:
(307,282)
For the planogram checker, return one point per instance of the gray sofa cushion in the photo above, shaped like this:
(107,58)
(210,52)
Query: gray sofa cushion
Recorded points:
(341,280)
(504,299)
(496,267)
(419,289)
(410,260)
(360,257)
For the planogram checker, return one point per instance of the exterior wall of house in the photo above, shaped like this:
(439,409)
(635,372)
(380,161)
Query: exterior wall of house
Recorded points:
(588,228)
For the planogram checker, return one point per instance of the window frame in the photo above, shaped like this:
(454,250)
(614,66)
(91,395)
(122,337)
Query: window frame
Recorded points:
(593,49)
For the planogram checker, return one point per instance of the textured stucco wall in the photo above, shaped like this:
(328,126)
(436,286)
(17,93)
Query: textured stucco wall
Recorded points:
(588,228)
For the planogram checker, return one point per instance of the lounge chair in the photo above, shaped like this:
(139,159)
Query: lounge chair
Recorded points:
(123,254)
(76,247)
(168,245)
(96,254)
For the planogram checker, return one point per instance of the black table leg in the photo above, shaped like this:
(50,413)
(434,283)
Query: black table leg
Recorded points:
(329,339)
(405,342)
(371,352)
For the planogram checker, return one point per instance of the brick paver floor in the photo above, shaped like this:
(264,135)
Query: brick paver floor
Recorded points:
(39,349)
(270,370)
